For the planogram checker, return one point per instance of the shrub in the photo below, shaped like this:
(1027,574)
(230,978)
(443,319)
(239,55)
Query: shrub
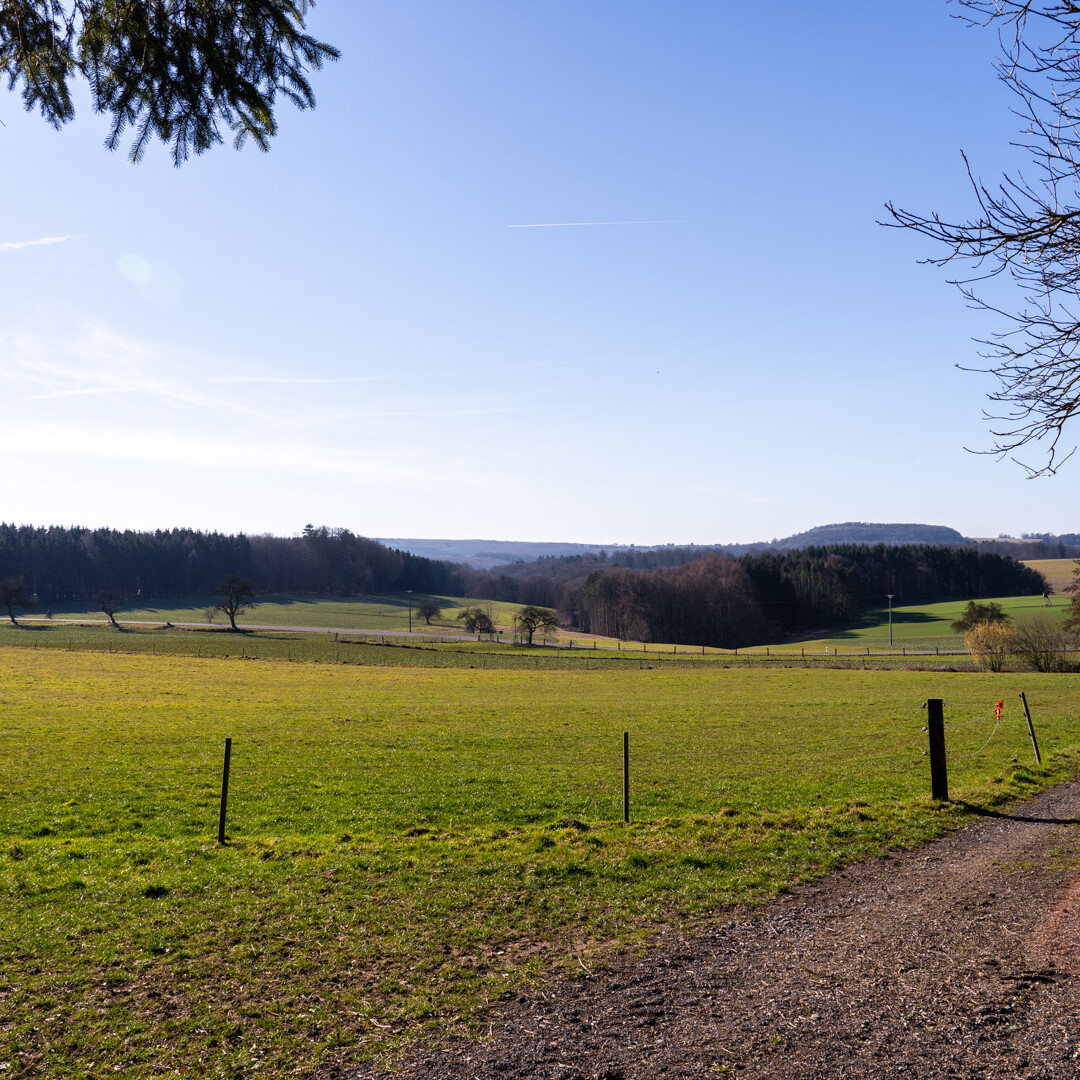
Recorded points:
(976,614)
(1042,641)
(990,644)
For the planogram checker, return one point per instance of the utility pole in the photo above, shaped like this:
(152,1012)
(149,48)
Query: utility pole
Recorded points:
(409,591)
(890,596)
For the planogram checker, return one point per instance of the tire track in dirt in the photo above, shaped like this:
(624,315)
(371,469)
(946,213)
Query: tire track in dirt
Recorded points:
(959,959)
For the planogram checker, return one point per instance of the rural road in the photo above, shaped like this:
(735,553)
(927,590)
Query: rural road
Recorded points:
(960,959)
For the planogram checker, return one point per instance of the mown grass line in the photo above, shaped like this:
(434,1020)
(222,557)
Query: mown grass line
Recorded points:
(406,845)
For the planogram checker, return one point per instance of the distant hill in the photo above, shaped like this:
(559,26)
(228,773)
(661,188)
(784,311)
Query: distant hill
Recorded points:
(484,554)
(865,532)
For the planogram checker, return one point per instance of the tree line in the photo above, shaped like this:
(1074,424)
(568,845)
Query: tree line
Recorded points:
(711,600)
(729,602)
(60,564)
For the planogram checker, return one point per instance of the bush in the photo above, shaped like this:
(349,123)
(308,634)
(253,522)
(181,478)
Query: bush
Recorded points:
(976,614)
(1043,641)
(990,644)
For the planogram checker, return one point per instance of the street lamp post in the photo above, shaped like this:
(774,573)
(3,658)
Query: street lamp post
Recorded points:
(890,596)
(409,591)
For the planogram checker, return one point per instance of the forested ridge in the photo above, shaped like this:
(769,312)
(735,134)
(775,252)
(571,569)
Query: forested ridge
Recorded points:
(761,597)
(686,596)
(71,563)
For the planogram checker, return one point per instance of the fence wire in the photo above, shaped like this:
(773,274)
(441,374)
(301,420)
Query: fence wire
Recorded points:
(314,784)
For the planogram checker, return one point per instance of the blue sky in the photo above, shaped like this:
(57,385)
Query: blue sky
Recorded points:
(356,330)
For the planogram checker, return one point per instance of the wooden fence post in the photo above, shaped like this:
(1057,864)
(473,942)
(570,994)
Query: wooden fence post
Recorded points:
(1031,729)
(626,777)
(935,725)
(224,792)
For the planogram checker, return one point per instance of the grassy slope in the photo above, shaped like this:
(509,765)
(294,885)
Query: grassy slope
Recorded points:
(920,626)
(389,611)
(926,626)
(1058,572)
(406,843)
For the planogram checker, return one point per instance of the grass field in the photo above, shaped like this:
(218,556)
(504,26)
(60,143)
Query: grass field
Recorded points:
(915,627)
(388,611)
(927,626)
(407,844)
(1058,572)
(369,648)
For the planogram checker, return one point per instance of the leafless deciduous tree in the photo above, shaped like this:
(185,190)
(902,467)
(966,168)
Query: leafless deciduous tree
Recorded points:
(428,609)
(237,595)
(111,602)
(531,618)
(1043,641)
(13,595)
(476,620)
(1027,229)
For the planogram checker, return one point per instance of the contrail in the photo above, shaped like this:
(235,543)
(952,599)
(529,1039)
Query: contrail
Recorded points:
(16,245)
(574,224)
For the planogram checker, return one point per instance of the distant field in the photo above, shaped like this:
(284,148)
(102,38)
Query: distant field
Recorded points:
(1058,572)
(389,611)
(371,648)
(926,626)
(407,845)
(919,628)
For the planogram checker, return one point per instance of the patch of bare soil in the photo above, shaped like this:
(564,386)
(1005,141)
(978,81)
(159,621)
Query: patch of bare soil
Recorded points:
(960,959)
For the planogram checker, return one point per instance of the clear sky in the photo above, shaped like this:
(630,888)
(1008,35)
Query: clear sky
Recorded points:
(368,327)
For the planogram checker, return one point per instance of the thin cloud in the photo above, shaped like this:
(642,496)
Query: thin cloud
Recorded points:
(264,458)
(18,245)
(580,224)
(285,380)
(102,362)
(88,390)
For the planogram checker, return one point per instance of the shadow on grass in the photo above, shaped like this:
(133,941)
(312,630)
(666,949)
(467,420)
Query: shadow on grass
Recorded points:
(876,621)
(983,811)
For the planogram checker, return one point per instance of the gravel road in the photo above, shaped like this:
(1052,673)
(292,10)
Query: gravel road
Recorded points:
(960,959)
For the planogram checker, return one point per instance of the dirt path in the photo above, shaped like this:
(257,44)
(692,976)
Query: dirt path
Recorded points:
(961,959)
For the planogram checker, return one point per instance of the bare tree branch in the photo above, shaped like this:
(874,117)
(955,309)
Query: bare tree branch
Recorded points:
(1027,229)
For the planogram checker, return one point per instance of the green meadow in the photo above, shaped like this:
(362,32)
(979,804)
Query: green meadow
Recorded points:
(918,627)
(386,611)
(926,626)
(407,844)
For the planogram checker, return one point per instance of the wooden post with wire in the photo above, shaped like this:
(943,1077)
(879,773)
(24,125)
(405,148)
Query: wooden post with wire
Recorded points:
(1031,729)
(224,792)
(626,777)
(935,726)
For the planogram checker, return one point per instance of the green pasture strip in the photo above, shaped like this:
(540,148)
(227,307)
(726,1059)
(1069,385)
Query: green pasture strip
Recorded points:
(389,611)
(346,647)
(923,626)
(407,844)
(373,649)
